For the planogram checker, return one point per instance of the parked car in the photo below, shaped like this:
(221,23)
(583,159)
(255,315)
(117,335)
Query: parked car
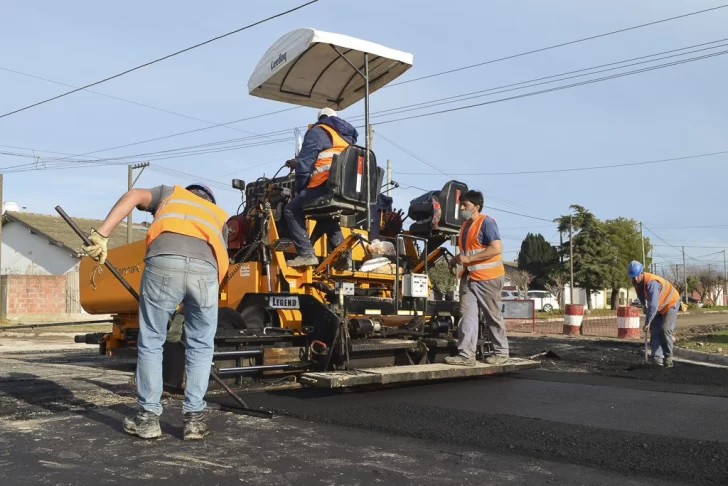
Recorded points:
(544,301)
(512,295)
(636,303)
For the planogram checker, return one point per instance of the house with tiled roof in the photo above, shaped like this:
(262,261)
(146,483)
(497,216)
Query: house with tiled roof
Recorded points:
(44,244)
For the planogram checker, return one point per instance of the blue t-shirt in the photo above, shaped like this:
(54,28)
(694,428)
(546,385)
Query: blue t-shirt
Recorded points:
(488,232)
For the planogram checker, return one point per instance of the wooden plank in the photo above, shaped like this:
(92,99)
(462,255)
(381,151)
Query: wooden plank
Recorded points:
(410,373)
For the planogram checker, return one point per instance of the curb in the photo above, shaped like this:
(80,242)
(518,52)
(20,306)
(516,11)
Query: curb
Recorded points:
(701,356)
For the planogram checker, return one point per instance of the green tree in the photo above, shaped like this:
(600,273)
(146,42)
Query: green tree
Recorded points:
(624,235)
(538,258)
(595,259)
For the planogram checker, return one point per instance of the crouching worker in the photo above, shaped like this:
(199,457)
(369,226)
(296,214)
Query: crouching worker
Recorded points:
(328,137)
(481,282)
(185,261)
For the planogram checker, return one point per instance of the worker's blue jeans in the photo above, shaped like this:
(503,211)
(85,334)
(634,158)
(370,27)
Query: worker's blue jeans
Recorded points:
(297,222)
(167,281)
(661,329)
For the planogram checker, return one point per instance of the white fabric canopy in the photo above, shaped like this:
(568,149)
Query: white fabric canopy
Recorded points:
(303,68)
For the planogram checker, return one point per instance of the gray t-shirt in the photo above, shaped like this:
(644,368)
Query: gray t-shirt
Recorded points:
(175,244)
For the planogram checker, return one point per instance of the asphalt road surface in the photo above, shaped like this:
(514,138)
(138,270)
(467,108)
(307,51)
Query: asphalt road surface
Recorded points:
(61,412)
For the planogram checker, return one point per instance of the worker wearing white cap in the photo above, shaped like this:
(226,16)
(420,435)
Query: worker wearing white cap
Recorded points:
(329,136)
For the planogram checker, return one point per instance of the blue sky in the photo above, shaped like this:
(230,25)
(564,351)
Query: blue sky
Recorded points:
(666,113)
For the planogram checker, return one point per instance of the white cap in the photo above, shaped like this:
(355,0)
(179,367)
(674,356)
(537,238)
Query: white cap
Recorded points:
(325,111)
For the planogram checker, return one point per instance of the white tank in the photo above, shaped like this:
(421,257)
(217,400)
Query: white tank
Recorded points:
(11,206)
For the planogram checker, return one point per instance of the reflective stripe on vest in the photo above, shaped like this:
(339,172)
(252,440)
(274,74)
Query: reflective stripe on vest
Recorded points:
(668,295)
(184,213)
(320,173)
(487,269)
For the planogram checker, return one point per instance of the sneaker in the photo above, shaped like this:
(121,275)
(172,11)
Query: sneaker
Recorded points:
(668,362)
(657,361)
(144,425)
(303,261)
(496,359)
(460,361)
(195,426)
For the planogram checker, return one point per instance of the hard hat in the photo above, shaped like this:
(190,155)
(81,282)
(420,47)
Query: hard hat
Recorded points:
(326,112)
(634,269)
(204,188)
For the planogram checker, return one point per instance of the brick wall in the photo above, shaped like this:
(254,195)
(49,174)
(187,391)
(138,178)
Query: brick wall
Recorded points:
(33,294)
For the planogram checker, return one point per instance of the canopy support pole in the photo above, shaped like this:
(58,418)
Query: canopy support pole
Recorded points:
(367,138)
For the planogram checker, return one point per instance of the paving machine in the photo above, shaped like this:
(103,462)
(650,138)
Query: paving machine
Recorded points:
(371,322)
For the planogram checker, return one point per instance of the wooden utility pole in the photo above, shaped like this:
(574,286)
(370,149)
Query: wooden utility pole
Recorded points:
(131,182)
(642,237)
(571,257)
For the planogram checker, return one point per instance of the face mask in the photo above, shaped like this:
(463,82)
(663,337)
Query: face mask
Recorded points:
(466,213)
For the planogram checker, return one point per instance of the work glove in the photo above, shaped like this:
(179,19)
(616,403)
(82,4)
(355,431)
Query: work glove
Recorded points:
(97,249)
(291,164)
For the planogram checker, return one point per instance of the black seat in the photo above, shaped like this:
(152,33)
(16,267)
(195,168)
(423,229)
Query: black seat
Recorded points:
(347,186)
(437,212)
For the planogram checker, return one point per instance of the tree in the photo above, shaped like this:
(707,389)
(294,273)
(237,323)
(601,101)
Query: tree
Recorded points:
(539,258)
(624,235)
(556,285)
(521,279)
(708,283)
(595,259)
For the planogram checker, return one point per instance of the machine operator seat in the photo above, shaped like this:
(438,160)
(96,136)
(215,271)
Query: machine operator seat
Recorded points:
(437,213)
(347,199)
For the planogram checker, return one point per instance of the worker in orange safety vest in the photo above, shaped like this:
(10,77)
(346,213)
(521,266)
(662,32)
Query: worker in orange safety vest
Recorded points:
(481,282)
(329,136)
(186,260)
(661,301)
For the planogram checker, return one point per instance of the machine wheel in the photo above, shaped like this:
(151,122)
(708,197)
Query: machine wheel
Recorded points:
(229,319)
(548,308)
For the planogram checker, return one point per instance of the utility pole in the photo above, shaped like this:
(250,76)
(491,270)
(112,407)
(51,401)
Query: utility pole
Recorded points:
(389,177)
(571,257)
(642,237)
(685,275)
(132,181)
(725,277)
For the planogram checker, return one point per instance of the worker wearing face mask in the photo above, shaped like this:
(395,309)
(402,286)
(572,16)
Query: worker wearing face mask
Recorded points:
(481,282)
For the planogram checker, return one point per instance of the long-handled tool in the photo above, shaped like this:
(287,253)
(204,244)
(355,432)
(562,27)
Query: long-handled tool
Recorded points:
(243,406)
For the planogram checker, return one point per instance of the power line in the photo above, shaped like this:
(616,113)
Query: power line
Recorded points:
(557,88)
(391,112)
(533,82)
(161,58)
(575,169)
(410,153)
(124,100)
(584,39)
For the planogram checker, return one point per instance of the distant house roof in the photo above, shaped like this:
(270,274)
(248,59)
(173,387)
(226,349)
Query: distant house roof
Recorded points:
(511,265)
(57,231)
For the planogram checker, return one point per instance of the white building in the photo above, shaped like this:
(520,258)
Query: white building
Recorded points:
(42,244)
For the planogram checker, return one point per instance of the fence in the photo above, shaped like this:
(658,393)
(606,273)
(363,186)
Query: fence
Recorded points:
(598,323)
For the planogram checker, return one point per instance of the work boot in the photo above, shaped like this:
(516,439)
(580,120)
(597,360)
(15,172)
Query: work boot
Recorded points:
(144,425)
(195,426)
(303,261)
(344,261)
(668,362)
(657,361)
(496,359)
(460,361)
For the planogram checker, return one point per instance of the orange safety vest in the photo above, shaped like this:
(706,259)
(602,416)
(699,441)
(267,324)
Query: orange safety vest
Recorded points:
(484,270)
(187,214)
(668,295)
(322,166)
